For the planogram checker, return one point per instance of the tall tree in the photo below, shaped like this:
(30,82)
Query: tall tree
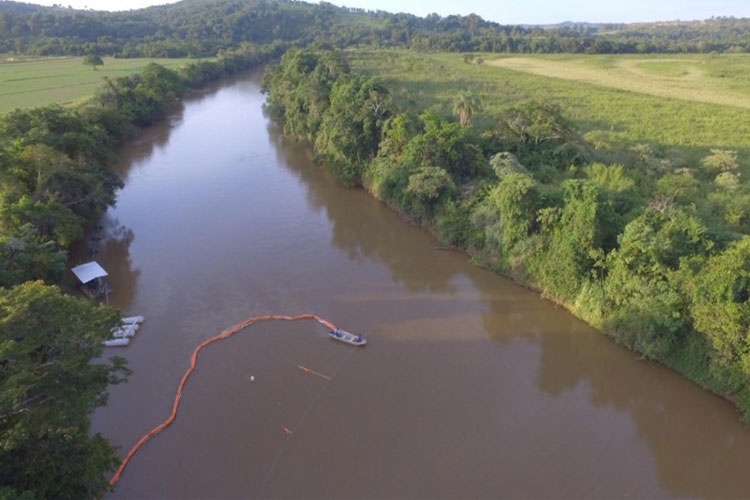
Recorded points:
(93,60)
(48,388)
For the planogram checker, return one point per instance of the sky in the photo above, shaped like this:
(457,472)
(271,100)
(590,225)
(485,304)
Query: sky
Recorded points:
(511,11)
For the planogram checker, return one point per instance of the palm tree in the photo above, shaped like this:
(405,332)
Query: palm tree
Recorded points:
(466,107)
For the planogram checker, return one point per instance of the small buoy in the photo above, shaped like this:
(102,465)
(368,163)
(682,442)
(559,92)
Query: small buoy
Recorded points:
(252,378)
(287,431)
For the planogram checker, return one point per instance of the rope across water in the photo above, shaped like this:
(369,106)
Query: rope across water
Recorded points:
(193,360)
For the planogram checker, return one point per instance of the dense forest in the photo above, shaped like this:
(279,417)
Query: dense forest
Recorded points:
(54,179)
(646,244)
(199,28)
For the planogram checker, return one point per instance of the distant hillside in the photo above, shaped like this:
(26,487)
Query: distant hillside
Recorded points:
(205,27)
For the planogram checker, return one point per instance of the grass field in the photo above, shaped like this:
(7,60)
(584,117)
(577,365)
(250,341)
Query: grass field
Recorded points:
(693,78)
(678,116)
(61,80)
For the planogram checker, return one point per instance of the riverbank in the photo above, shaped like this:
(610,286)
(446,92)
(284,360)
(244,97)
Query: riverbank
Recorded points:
(620,248)
(55,166)
(676,361)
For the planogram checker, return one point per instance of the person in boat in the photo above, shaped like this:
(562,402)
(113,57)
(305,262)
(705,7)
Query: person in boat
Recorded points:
(359,338)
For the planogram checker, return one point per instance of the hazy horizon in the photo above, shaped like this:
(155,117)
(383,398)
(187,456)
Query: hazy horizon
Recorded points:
(507,11)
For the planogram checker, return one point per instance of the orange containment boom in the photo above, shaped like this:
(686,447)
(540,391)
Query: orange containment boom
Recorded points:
(193,360)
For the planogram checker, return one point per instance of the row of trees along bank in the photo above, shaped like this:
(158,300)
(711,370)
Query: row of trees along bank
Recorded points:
(637,252)
(53,179)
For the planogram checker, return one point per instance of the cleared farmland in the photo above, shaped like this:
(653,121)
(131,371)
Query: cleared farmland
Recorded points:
(44,81)
(433,81)
(697,78)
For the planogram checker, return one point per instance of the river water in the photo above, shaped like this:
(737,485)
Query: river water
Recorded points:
(470,386)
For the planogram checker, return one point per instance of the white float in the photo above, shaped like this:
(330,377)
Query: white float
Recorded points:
(132,319)
(116,342)
(125,330)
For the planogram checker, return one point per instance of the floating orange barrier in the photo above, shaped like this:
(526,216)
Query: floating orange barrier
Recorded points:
(193,360)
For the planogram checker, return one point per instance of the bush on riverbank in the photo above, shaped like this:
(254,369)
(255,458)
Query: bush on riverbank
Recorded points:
(654,252)
(55,178)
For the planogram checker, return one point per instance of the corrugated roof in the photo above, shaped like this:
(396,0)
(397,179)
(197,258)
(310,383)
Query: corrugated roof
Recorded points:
(89,271)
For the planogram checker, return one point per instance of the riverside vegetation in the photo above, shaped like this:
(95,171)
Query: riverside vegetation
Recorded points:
(54,178)
(644,241)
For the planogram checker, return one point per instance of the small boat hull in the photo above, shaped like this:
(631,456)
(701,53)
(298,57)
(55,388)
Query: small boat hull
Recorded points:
(347,337)
(125,330)
(117,342)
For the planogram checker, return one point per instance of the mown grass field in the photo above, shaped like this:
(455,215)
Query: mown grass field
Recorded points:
(712,79)
(66,80)
(671,101)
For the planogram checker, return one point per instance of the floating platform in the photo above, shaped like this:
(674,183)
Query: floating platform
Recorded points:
(122,333)
(347,337)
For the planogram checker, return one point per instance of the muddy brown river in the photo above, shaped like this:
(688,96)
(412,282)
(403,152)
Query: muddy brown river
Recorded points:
(469,387)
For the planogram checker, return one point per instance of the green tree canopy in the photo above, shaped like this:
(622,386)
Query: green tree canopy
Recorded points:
(25,255)
(48,388)
(445,145)
(577,238)
(428,185)
(506,163)
(351,127)
(535,123)
(509,211)
(93,60)
(645,296)
(721,306)
(721,160)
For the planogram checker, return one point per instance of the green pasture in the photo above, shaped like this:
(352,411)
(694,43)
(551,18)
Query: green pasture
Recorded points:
(678,118)
(36,82)
(711,79)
